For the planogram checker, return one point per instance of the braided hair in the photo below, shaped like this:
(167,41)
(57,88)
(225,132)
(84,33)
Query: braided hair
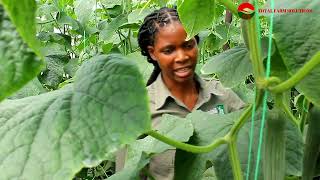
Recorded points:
(147,33)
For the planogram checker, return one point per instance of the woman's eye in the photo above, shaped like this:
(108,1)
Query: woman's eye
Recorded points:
(189,45)
(167,51)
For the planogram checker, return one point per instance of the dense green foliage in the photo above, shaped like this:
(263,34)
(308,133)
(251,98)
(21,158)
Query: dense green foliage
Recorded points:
(72,91)
(18,63)
(65,127)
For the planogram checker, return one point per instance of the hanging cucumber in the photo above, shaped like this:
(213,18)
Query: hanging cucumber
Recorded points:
(274,146)
(312,147)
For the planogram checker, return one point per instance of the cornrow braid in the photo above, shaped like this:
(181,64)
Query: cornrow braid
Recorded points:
(148,30)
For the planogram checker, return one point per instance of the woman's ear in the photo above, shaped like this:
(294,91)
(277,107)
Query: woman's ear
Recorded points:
(151,52)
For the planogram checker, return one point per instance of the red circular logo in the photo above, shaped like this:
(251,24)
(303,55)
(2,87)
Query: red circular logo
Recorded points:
(245,10)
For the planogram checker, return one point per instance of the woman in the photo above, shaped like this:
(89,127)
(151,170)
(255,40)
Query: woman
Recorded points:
(173,87)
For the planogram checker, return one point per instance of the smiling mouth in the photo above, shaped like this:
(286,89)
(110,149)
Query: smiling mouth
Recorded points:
(183,72)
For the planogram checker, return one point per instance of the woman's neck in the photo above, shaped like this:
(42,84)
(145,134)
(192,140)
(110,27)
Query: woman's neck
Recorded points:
(187,92)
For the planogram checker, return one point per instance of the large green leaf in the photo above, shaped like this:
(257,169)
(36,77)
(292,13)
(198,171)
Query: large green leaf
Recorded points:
(298,39)
(53,135)
(18,64)
(214,42)
(245,92)
(144,66)
(140,152)
(137,15)
(135,18)
(64,18)
(135,162)
(232,66)
(61,4)
(111,3)
(52,75)
(109,29)
(171,126)
(45,10)
(54,49)
(84,10)
(22,14)
(32,88)
(71,67)
(216,39)
(196,15)
(277,66)
(209,127)
(209,174)
(59,38)
(279,70)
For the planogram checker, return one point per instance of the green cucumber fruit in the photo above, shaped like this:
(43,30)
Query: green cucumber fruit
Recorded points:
(312,147)
(274,165)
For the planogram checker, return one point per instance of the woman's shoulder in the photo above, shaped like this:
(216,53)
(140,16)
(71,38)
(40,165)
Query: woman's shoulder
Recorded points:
(224,94)
(152,97)
(152,94)
(152,89)
(212,85)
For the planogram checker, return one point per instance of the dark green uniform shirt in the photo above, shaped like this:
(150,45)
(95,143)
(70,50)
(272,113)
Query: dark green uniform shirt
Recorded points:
(213,98)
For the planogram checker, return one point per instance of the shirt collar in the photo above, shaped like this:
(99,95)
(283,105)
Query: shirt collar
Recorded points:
(162,93)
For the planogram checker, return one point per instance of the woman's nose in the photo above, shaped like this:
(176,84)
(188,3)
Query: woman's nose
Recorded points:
(181,56)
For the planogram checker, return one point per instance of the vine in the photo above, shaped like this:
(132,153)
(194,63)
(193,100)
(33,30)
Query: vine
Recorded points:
(68,28)
(262,84)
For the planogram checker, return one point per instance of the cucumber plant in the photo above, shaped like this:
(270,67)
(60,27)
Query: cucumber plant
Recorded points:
(88,113)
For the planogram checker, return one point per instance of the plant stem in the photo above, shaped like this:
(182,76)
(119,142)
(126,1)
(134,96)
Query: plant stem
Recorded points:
(123,41)
(235,162)
(264,83)
(46,22)
(145,6)
(304,114)
(298,76)
(228,20)
(230,5)
(288,112)
(188,147)
(243,118)
(244,32)
(129,41)
(56,22)
(255,50)
(259,97)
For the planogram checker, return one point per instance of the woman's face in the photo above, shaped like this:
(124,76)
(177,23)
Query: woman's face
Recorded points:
(177,58)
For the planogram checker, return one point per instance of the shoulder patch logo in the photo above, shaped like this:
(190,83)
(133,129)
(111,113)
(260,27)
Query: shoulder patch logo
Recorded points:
(219,109)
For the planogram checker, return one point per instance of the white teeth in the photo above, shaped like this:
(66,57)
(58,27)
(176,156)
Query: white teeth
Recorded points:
(183,69)
(183,72)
